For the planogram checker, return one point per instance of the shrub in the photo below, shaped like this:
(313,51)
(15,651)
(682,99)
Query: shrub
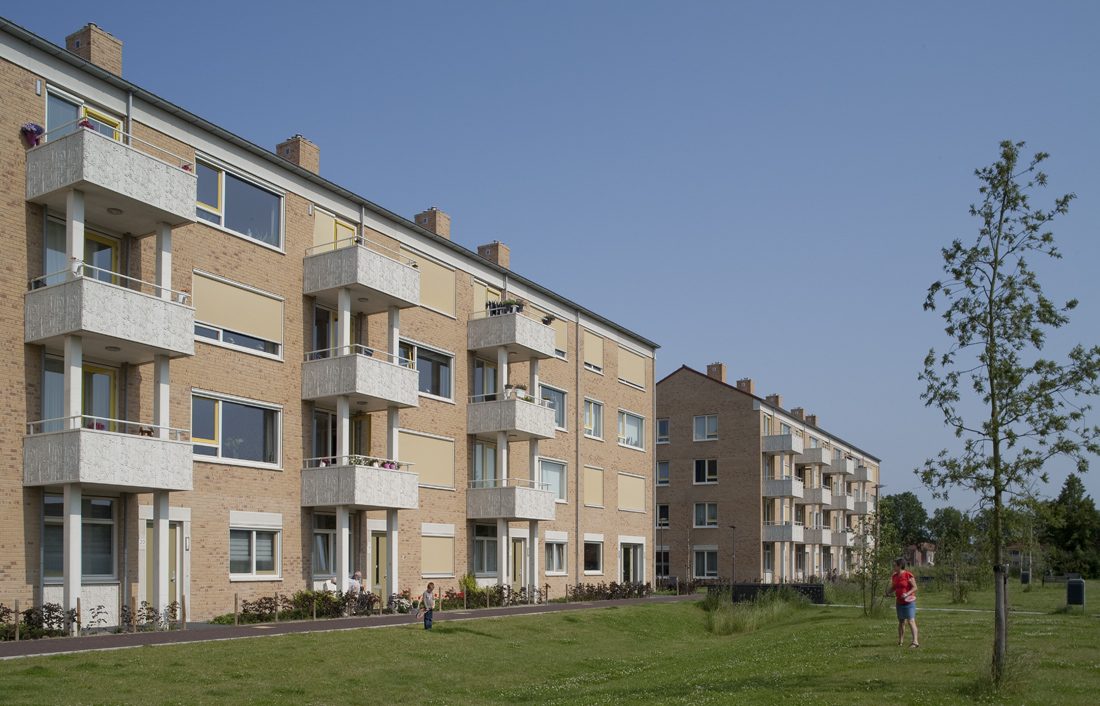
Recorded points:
(726,618)
(607,591)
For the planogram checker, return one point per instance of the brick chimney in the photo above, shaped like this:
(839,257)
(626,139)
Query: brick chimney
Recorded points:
(495,252)
(717,371)
(298,150)
(101,48)
(775,400)
(434,220)
(746,385)
(799,413)
(811,419)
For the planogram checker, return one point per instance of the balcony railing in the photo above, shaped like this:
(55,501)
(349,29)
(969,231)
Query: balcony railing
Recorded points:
(117,426)
(360,481)
(379,276)
(782,444)
(366,243)
(120,136)
(82,270)
(513,499)
(376,379)
(357,349)
(515,412)
(507,483)
(357,460)
(506,326)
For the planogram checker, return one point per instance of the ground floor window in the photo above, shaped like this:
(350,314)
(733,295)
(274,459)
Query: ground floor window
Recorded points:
(593,556)
(555,558)
(97,537)
(324,544)
(768,556)
(661,563)
(706,563)
(254,553)
(485,549)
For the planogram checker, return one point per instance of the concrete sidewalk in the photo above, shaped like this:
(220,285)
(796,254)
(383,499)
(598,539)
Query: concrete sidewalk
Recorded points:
(205,632)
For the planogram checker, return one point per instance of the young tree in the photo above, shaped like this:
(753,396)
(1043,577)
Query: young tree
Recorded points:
(952,532)
(1029,408)
(876,548)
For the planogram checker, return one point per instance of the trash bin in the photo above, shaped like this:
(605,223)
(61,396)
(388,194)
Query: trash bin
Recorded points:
(1075,592)
(1025,577)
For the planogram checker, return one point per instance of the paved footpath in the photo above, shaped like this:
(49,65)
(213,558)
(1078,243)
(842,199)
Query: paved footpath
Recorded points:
(204,632)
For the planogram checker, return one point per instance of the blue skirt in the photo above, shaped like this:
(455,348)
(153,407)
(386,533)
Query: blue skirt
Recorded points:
(907,611)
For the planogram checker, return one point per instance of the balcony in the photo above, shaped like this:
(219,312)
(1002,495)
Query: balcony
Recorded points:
(841,466)
(782,444)
(523,337)
(372,379)
(816,456)
(121,320)
(112,454)
(865,506)
(522,419)
(818,535)
(863,474)
(783,488)
(817,496)
(126,188)
(360,482)
(842,502)
(783,532)
(511,499)
(843,538)
(378,276)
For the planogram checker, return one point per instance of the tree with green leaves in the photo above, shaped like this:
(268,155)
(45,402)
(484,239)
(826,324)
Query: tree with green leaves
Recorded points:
(1073,530)
(953,532)
(1020,408)
(909,517)
(877,546)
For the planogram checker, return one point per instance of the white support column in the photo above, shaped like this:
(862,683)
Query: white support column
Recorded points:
(343,540)
(343,429)
(504,546)
(160,550)
(71,546)
(502,457)
(343,321)
(536,470)
(74,227)
(393,336)
(393,427)
(73,404)
(392,554)
(533,580)
(160,395)
(533,383)
(164,260)
(502,369)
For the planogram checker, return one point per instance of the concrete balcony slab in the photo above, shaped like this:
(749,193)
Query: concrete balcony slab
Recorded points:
(360,487)
(510,503)
(108,460)
(377,280)
(522,420)
(523,337)
(373,380)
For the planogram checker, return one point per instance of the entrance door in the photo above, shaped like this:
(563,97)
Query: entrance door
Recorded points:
(175,565)
(632,563)
(379,571)
(519,552)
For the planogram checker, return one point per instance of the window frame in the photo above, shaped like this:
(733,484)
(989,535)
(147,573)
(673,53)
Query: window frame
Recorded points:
(59,521)
(594,405)
(665,524)
(560,549)
(660,562)
(564,406)
(706,427)
(705,553)
(599,556)
(709,521)
(663,438)
(563,498)
(483,551)
(222,170)
(668,474)
(103,116)
(277,550)
(625,412)
(218,458)
(709,478)
(415,347)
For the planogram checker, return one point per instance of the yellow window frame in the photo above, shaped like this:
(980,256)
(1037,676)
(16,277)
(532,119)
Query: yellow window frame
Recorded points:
(217,424)
(213,208)
(112,403)
(111,243)
(114,123)
(342,230)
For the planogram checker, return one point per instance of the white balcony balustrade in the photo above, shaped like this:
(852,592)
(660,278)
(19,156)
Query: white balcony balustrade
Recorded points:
(511,499)
(782,445)
(522,416)
(372,379)
(378,276)
(361,482)
(505,326)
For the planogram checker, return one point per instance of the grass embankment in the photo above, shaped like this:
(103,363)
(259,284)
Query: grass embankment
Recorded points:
(646,654)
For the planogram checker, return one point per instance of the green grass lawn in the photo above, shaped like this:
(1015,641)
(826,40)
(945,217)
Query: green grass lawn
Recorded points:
(646,654)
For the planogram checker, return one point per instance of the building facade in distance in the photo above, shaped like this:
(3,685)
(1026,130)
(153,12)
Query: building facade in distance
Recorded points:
(747,487)
(228,375)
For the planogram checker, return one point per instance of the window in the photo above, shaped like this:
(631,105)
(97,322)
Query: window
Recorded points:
(97,537)
(556,398)
(555,558)
(485,464)
(631,430)
(552,473)
(632,492)
(593,352)
(101,255)
(433,459)
(706,471)
(254,553)
(662,473)
(324,545)
(784,428)
(437,554)
(62,113)
(234,430)
(239,205)
(485,381)
(237,316)
(437,283)
(485,550)
(662,515)
(593,419)
(662,563)
(593,557)
(768,556)
(662,431)
(434,367)
(593,486)
(632,368)
(705,428)
(706,514)
(706,563)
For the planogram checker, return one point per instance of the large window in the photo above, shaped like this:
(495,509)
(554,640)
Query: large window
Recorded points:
(705,428)
(228,429)
(555,558)
(593,557)
(552,473)
(434,368)
(63,112)
(237,316)
(97,537)
(662,563)
(485,550)
(239,205)
(662,515)
(662,431)
(324,545)
(485,464)
(556,398)
(706,563)
(631,430)
(254,553)
(593,419)
(662,473)
(706,514)
(706,471)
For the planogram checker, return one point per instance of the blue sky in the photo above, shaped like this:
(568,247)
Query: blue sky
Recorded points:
(765,184)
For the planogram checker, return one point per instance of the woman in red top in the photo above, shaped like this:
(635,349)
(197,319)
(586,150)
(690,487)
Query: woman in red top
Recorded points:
(904,586)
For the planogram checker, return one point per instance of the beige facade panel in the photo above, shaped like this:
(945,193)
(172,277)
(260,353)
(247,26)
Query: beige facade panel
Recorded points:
(328,229)
(631,367)
(561,329)
(437,556)
(437,283)
(242,310)
(631,492)
(593,486)
(593,349)
(483,294)
(433,459)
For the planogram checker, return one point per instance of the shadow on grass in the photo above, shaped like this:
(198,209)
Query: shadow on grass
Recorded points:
(456,629)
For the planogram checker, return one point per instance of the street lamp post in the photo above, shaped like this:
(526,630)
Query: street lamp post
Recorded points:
(733,553)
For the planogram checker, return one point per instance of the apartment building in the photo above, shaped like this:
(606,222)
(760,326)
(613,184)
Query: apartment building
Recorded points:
(749,488)
(227,375)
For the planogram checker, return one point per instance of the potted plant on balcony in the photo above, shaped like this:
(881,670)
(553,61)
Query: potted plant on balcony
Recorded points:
(549,319)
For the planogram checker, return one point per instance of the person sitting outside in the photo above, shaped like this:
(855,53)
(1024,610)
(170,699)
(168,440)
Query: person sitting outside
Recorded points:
(355,583)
